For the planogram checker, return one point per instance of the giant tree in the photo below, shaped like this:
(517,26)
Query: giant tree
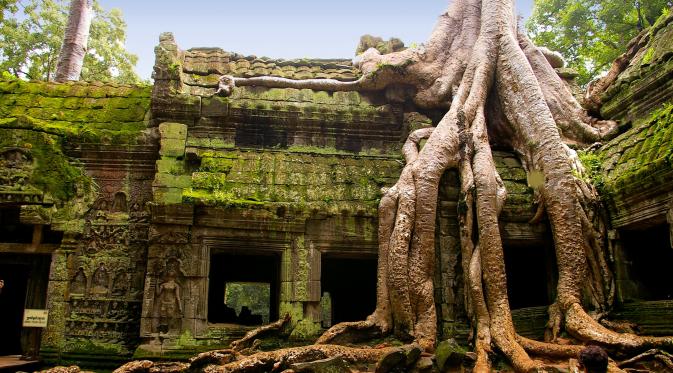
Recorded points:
(491,82)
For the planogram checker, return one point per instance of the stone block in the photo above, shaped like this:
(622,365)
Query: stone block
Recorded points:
(285,291)
(167,195)
(172,147)
(58,270)
(172,181)
(170,130)
(314,291)
(170,165)
(300,293)
(215,107)
(182,107)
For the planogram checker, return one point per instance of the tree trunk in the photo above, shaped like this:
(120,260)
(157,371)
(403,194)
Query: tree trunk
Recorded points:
(71,57)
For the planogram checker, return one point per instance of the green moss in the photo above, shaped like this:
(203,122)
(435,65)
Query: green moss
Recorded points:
(315,150)
(93,347)
(222,165)
(593,165)
(649,54)
(89,111)
(185,340)
(305,330)
(639,159)
(53,173)
(218,198)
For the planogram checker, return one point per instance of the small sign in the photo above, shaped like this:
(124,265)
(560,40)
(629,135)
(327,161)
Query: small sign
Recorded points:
(35,318)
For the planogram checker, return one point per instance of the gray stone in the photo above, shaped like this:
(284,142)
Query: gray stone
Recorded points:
(449,353)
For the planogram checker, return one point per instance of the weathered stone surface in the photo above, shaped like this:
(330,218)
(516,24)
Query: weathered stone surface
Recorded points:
(449,354)
(393,361)
(334,364)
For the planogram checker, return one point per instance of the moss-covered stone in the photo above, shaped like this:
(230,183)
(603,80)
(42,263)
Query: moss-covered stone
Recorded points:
(640,158)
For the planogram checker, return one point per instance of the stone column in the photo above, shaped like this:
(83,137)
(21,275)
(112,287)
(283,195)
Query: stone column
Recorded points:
(53,336)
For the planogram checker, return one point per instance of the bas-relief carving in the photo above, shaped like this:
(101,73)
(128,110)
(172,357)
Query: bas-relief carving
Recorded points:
(120,284)
(119,202)
(168,235)
(100,281)
(78,282)
(16,168)
(168,302)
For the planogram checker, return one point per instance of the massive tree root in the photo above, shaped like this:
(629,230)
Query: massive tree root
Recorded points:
(493,82)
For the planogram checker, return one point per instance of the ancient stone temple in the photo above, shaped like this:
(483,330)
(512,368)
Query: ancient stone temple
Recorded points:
(162,221)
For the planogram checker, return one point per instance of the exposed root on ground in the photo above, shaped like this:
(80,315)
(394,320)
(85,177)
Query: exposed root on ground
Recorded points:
(261,332)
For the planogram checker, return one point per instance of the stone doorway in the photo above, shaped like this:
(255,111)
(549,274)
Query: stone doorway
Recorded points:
(645,268)
(24,271)
(12,300)
(351,285)
(531,270)
(25,279)
(243,288)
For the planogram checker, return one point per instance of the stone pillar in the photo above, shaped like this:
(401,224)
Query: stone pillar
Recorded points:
(300,287)
(53,336)
(449,294)
(176,286)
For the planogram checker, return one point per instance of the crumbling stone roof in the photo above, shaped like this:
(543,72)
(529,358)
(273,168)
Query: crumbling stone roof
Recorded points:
(196,71)
(207,61)
(635,169)
(647,82)
(641,158)
(96,111)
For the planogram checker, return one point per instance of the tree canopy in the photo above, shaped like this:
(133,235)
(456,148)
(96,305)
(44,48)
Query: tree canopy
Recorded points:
(31,35)
(591,34)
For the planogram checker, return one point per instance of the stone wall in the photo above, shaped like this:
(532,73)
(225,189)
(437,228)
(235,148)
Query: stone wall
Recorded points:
(82,164)
(634,174)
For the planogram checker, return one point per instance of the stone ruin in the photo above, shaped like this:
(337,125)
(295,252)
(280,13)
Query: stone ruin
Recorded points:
(163,221)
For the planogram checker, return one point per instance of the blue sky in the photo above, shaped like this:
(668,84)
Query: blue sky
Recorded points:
(276,28)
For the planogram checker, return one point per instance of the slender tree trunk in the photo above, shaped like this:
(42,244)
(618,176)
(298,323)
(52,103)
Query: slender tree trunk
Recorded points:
(75,40)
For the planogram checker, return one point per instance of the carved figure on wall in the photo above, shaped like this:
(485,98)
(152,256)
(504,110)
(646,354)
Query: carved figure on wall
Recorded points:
(78,282)
(16,157)
(120,285)
(169,299)
(119,203)
(102,204)
(15,167)
(100,281)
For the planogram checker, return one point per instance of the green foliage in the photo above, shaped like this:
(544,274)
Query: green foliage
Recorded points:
(31,34)
(254,295)
(593,165)
(591,34)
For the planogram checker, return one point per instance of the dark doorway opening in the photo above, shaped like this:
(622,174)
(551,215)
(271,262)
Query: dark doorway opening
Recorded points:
(237,291)
(12,301)
(11,229)
(531,273)
(649,256)
(25,278)
(351,284)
